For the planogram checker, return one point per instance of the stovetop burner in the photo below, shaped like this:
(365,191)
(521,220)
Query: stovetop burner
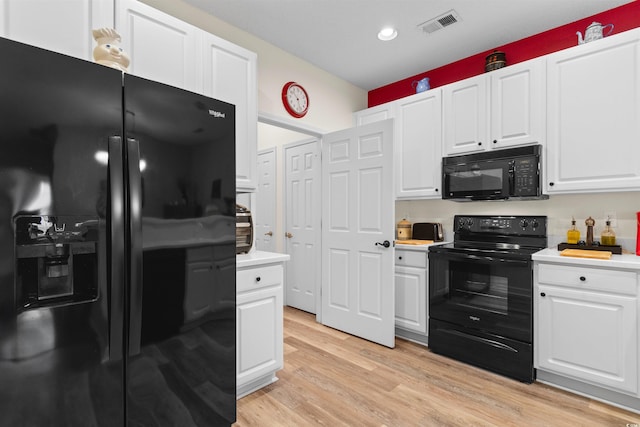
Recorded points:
(497,234)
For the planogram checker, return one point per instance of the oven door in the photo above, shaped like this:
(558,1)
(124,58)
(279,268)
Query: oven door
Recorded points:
(492,293)
(481,180)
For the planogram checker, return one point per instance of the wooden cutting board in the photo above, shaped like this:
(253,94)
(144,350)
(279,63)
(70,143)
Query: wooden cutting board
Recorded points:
(581,253)
(414,242)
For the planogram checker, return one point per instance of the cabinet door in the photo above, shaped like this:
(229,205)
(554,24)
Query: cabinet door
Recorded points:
(224,296)
(229,74)
(593,116)
(199,285)
(161,47)
(418,145)
(588,336)
(374,114)
(60,26)
(411,298)
(465,116)
(517,104)
(259,334)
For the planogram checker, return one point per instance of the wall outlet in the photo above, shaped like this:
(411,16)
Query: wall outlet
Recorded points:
(612,217)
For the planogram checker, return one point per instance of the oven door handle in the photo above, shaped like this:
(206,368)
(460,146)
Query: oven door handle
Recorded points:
(481,340)
(485,258)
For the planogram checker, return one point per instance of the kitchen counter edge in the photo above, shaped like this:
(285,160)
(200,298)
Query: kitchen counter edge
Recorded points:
(626,261)
(260,258)
(422,248)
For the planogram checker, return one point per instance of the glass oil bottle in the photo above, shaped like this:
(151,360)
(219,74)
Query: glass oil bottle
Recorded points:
(608,237)
(573,234)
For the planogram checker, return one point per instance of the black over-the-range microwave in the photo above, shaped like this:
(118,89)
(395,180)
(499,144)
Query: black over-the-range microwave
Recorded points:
(512,173)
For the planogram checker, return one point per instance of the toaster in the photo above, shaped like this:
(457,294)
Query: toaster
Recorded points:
(427,231)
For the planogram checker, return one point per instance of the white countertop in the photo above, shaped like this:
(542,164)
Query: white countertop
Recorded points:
(423,248)
(259,258)
(626,261)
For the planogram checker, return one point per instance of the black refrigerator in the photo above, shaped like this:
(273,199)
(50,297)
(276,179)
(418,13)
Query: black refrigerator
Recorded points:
(117,248)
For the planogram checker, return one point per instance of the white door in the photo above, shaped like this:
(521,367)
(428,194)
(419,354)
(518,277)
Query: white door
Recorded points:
(358,217)
(265,218)
(302,227)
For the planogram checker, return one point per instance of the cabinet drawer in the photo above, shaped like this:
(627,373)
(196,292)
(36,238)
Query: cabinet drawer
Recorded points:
(622,282)
(411,258)
(258,277)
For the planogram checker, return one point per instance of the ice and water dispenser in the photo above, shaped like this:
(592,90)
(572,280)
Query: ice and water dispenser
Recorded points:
(56,260)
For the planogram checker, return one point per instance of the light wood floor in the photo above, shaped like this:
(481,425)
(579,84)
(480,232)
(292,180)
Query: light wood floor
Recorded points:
(334,379)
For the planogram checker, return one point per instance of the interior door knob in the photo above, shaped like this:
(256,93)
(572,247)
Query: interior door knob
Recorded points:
(269,233)
(386,244)
(288,235)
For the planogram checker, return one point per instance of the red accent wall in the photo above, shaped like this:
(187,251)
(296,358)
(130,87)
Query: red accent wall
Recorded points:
(624,18)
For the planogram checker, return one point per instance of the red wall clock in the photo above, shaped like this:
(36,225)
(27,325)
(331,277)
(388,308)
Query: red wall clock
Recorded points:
(295,99)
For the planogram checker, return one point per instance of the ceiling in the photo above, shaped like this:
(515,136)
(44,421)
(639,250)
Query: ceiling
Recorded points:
(340,36)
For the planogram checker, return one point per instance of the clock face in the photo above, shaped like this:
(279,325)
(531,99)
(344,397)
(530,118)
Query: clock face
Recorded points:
(295,99)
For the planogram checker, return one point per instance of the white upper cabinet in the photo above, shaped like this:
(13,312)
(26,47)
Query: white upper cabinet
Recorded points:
(517,104)
(500,109)
(161,47)
(60,26)
(465,116)
(418,145)
(593,116)
(374,114)
(170,51)
(230,75)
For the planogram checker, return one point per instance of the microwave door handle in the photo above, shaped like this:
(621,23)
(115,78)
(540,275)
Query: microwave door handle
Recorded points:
(512,178)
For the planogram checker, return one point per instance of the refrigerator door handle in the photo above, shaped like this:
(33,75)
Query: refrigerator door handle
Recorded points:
(117,248)
(134,208)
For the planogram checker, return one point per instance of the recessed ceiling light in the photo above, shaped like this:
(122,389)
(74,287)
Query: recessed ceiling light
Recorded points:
(387,33)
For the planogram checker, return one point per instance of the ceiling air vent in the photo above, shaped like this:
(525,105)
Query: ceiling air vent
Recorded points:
(435,24)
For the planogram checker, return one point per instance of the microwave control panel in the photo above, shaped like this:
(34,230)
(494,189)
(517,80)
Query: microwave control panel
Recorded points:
(525,176)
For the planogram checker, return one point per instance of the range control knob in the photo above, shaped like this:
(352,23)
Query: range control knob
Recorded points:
(524,223)
(535,223)
(469,222)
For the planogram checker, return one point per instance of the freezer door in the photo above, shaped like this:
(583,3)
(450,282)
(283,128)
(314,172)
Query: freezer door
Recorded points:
(181,218)
(60,347)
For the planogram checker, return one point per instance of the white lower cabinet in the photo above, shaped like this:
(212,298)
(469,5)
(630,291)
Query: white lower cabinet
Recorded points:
(259,340)
(411,294)
(587,324)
